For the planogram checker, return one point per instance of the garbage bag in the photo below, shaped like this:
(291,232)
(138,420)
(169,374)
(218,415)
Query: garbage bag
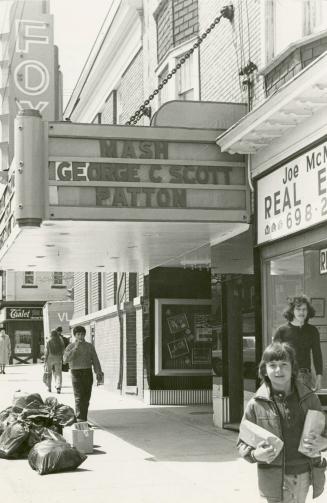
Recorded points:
(39,433)
(51,402)
(23,400)
(64,415)
(51,456)
(12,438)
(4,414)
(50,434)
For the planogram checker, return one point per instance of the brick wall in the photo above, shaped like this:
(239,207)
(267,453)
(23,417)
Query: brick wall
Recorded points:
(107,345)
(94,292)
(79,294)
(139,351)
(131,89)
(109,113)
(186,20)
(293,63)
(227,49)
(130,360)
(164,19)
(109,289)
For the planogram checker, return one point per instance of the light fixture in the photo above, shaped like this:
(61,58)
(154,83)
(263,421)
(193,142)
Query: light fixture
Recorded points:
(39,256)
(50,246)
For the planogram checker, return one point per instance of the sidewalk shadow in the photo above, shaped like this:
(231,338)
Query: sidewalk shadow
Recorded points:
(166,435)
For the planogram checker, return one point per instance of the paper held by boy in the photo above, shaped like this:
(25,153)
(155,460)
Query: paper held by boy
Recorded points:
(314,424)
(252,434)
(79,435)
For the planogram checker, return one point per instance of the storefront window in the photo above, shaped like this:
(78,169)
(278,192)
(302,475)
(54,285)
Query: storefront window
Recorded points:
(285,278)
(292,275)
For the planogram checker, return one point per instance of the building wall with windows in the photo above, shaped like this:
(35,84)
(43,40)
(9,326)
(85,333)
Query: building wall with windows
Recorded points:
(41,286)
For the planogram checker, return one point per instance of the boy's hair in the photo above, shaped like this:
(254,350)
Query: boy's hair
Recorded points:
(79,328)
(296,302)
(277,351)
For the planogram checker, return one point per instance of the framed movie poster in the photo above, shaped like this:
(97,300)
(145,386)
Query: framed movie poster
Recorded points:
(183,337)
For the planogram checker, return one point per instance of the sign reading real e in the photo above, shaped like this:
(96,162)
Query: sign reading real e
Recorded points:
(294,196)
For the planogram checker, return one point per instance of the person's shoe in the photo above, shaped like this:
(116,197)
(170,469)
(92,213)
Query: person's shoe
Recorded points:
(49,389)
(58,391)
(3,372)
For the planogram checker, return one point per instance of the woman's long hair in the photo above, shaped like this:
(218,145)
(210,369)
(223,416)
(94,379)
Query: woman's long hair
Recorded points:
(55,346)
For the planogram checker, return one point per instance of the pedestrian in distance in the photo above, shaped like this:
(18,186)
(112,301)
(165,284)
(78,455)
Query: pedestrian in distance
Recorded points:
(5,349)
(53,360)
(304,338)
(280,406)
(81,356)
(64,338)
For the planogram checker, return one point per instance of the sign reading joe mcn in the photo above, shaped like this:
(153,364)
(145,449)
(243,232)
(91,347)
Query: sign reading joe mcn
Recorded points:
(294,196)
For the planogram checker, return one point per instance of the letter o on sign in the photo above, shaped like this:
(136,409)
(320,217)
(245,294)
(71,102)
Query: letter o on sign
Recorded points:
(32,77)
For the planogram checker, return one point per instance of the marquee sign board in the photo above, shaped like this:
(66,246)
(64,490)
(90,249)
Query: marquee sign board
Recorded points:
(80,178)
(146,171)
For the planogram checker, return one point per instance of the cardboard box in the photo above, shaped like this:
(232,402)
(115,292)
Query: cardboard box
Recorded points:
(82,439)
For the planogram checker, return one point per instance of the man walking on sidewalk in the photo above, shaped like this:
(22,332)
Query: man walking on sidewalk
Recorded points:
(81,357)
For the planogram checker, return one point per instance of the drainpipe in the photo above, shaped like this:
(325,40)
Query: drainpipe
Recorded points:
(121,332)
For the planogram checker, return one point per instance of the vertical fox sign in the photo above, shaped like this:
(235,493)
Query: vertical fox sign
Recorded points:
(32,64)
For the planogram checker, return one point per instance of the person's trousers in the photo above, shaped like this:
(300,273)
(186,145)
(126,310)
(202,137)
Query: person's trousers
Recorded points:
(82,381)
(55,368)
(296,488)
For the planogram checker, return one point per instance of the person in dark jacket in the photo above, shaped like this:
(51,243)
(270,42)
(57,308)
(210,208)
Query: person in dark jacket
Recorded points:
(280,406)
(53,359)
(81,356)
(304,338)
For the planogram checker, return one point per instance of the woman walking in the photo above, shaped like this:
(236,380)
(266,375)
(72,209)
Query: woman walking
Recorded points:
(304,338)
(5,350)
(53,359)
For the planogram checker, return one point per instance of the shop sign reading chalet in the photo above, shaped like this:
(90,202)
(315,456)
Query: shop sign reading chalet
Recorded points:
(24,313)
(294,196)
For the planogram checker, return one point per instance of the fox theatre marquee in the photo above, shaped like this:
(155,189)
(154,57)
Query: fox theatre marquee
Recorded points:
(135,196)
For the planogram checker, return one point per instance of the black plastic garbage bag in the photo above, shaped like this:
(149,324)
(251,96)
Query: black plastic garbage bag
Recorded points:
(39,433)
(64,415)
(4,414)
(27,401)
(51,456)
(12,439)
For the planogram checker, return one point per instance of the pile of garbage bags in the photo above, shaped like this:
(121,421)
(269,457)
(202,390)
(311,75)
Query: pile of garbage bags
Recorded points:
(32,428)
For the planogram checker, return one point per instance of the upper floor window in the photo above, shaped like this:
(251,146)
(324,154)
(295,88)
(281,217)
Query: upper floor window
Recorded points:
(184,85)
(288,21)
(57,278)
(185,80)
(29,278)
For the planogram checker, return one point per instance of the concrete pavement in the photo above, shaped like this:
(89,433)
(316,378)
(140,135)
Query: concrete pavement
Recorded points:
(144,454)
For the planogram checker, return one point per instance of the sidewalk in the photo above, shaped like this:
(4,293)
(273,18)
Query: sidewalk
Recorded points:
(144,454)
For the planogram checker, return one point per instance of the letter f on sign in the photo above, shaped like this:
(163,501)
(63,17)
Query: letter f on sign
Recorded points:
(30,32)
